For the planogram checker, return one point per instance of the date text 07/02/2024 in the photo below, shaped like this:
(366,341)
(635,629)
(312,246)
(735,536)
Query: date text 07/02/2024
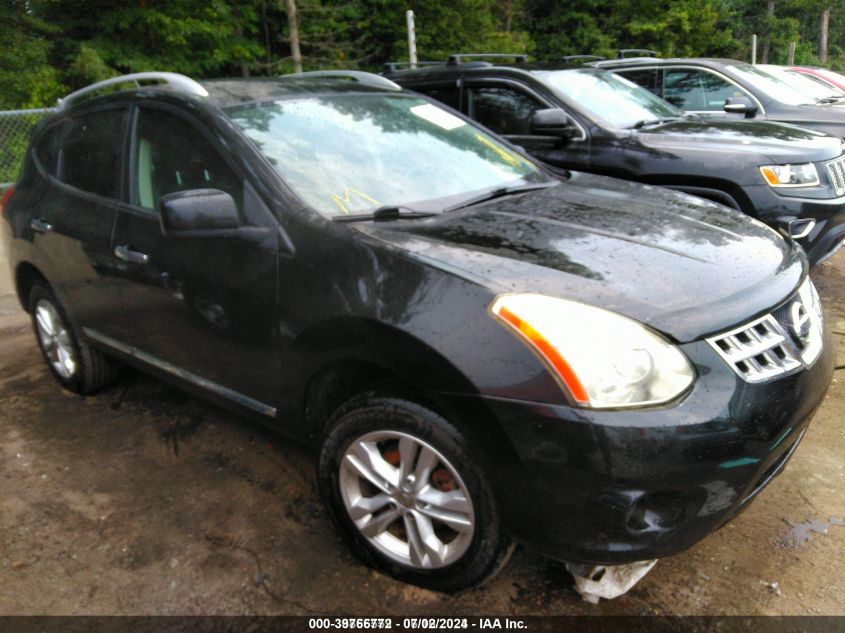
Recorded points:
(421,623)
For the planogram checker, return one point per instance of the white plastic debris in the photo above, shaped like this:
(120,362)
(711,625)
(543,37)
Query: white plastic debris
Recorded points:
(607,581)
(774,587)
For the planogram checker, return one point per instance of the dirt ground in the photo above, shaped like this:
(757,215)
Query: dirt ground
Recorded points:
(6,285)
(142,500)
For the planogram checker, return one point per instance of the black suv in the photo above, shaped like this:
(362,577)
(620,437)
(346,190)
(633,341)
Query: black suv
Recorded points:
(480,350)
(587,119)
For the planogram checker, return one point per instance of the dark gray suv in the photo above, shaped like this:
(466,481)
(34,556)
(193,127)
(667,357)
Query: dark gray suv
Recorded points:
(588,119)
(481,351)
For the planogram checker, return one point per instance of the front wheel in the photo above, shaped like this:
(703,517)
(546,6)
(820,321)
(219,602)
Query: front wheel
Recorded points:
(408,499)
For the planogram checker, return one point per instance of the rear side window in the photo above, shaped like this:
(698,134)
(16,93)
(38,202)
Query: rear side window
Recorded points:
(47,149)
(503,110)
(448,95)
(173,155)
(90,154)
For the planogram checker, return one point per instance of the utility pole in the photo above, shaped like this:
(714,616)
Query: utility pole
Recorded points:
(823,36)
(753,49)
(791,59)
(412,38)
(293,27)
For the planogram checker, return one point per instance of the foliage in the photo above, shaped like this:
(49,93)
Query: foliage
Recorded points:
(26,74)
(53,46)
(680,28)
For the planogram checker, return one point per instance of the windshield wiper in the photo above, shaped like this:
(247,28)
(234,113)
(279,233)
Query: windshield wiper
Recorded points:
(383,214)
(830,99)
(645,122)
(501,192)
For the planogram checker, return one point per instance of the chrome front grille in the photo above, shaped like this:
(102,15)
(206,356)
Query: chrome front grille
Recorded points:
(836,171)
(783,341)
(758,351)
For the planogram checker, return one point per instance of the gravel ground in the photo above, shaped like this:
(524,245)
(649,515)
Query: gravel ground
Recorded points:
(142,500)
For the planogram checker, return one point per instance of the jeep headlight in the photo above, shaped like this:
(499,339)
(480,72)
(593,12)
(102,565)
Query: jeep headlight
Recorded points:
(803,175)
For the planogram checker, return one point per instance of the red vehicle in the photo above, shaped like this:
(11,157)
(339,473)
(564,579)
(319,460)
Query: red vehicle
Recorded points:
(823,74)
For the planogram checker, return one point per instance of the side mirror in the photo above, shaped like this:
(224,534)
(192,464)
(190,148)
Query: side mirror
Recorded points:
(552,122)
(198,213)
(741,105)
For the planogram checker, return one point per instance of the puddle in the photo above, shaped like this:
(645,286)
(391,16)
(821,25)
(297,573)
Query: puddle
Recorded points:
(800,532)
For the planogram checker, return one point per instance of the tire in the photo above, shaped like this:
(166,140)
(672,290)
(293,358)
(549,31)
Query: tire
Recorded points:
(377,434)
(75,365)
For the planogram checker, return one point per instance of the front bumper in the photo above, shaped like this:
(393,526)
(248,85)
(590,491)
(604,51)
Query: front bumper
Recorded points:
(611,487)
(776,210)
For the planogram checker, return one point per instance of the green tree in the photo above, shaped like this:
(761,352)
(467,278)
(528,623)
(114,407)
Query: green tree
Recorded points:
(198,38)
(677,28)
(28,78)
(601,27)
(53,46)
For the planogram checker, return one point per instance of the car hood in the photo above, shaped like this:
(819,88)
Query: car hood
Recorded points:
(683,265)
(775,141)
(828,118)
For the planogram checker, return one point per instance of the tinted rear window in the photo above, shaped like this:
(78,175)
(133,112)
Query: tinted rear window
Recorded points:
(90,157)
(47,148)
(448,95)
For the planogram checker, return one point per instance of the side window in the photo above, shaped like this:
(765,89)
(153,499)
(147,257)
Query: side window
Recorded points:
(47,148)
(684,88)
(448,95)
(692,89)
(648,78)
(172,155)
(504,110)
(717,89)
(90,155)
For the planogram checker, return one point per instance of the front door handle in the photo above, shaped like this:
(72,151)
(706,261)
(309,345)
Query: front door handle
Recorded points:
(40,226)
(126,254)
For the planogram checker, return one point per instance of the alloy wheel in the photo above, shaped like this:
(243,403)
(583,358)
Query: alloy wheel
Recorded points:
(407,499)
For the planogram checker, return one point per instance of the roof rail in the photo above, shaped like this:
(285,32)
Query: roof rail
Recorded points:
(582,58)
(620,62)
(366,79)
(458,58)
(623,53)
(392,67)
(172,81)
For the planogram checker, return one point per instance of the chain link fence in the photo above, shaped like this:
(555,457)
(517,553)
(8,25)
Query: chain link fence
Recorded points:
(15,129)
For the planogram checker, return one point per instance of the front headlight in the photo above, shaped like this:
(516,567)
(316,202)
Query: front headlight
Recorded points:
(601,358)
(804,175)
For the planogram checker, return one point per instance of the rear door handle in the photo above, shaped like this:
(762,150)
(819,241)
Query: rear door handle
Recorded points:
(40,226)
(126,254)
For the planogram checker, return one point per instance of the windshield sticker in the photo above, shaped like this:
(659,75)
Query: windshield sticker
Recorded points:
(440,118)
(506,155)
(344,201)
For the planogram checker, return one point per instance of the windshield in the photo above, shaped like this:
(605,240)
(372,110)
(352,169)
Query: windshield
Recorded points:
(770,85)
(347,154)
(805,85)
(827,81)
(613,99)
(829,75)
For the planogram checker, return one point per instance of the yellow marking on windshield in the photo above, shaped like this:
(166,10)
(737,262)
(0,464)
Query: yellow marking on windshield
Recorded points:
(506,155)
(342,201)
